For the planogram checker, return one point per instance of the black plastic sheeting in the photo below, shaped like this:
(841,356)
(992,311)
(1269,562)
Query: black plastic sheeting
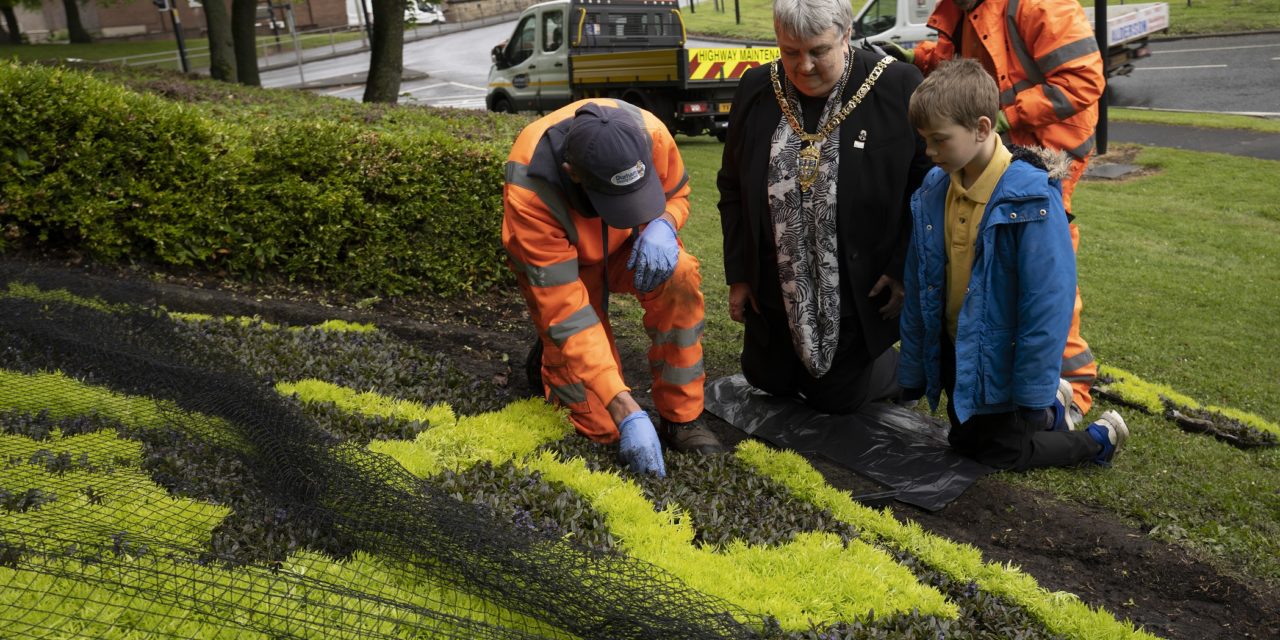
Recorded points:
(890,444)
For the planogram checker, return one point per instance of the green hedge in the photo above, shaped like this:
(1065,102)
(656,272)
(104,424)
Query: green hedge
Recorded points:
(252,183)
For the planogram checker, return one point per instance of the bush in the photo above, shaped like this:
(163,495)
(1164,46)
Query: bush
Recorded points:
(250,182)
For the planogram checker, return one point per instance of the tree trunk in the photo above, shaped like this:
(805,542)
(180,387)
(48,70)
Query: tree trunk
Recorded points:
(75,30)
(386,55)
(243,13)
(11,24)
(222,53)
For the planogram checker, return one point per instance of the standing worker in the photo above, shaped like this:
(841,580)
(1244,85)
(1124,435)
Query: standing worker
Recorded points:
(1044,57)
(595,194)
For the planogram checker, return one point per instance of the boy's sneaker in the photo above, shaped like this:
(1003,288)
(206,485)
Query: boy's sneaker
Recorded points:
(1110,432)
(1065,413)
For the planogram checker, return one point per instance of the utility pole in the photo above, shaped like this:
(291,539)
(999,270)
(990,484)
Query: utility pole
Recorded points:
(167,6)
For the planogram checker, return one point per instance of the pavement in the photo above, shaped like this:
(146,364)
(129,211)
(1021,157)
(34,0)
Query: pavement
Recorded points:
(1239,142)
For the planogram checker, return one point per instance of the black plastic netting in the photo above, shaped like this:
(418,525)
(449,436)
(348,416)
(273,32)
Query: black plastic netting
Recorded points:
(153,489)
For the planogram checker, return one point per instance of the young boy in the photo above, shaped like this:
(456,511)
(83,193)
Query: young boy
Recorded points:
(990,284)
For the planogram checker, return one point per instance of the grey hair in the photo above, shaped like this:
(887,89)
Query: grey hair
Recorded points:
(810,18)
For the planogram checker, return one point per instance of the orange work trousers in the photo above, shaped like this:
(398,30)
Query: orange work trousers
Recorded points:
(1078,365)
(673,318)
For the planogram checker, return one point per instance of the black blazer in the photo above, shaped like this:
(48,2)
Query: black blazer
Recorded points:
(873,191)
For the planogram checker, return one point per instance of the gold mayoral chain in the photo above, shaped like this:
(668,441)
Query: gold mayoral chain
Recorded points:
(810,158)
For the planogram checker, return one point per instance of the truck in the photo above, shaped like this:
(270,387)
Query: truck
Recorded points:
(1129,27)
(632,50)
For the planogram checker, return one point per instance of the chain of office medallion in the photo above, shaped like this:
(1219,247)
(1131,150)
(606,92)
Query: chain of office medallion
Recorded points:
(834,121)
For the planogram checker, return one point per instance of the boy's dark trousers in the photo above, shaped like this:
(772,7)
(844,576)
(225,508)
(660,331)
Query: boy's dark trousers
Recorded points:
(1014,440)
(770,363)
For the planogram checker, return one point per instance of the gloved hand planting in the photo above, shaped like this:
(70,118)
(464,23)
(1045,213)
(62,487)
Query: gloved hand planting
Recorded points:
(894,49)
(639,446)
(654,255)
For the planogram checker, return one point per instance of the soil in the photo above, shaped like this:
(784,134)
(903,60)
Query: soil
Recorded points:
(1065,546)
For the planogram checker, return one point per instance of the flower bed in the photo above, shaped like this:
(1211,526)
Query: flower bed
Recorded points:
(129,512)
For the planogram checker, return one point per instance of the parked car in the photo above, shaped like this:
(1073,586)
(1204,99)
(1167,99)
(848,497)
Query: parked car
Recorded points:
(422,12)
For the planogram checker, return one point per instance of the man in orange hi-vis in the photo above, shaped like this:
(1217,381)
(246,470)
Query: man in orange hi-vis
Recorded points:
(595,194)
(1044,57)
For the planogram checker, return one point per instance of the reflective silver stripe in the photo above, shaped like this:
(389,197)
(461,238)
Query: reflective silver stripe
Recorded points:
(683,181)
(552,275)
(1029,66)
(681,337)
(678,375)
(570,393)
(635,112)
(576,322)
(1061,104)
(1083,150)
(1066,53)
(1009,95)
(1084,378)
(1077,361)
(518,175)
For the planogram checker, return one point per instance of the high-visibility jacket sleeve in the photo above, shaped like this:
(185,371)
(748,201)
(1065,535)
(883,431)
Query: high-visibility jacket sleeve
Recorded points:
(545,261)
(1061,41)
(927,57)
(670,167)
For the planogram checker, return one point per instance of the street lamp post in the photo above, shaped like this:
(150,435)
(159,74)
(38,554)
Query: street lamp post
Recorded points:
(167,6)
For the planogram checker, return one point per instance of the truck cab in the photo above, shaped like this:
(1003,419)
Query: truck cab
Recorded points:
(631,50)
(532,70)
(905,22)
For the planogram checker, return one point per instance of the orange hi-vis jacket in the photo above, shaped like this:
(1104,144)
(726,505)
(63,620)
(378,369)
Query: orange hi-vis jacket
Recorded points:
(1046,63)
(556,251)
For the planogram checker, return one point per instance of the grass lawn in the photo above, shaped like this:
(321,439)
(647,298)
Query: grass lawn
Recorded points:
(1179,283)
(1201,16)
(1192,119)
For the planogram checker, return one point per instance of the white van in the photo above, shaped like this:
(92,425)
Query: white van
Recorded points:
(901,21)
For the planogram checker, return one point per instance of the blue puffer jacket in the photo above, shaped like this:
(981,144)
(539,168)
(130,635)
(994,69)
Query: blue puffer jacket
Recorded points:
(1014,321)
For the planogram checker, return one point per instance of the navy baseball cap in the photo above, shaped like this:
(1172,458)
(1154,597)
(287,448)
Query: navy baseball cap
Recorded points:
(613,158)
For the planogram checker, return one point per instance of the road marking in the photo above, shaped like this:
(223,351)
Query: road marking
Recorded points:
(358,87)
(1243,46)
(1254,114)
(1194,66)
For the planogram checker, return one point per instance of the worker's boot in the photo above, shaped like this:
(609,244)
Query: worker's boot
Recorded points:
(687,437)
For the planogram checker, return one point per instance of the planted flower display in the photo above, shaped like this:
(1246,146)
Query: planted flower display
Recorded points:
(192,476)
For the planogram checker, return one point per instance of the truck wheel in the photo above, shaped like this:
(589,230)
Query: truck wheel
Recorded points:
(722,135)
(502,104)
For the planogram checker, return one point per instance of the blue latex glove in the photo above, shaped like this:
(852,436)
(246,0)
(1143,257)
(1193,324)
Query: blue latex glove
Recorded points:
(639,446)
(654,255)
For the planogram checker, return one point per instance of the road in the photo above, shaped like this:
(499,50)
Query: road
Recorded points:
(449,70)
(1228,74)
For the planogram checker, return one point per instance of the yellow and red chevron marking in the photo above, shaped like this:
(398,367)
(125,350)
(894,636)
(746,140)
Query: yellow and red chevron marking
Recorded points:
(727,64)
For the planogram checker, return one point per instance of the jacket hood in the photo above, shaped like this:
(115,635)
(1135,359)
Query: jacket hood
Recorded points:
(1053,162)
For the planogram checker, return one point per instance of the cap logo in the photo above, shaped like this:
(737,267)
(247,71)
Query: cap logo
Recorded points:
(629,176)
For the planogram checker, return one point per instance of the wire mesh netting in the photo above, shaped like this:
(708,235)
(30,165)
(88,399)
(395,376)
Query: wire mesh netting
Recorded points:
(153,488)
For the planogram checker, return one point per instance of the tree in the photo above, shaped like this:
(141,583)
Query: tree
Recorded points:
(14,32)
(222,53)
(244,37)
(75,30)
(386,56)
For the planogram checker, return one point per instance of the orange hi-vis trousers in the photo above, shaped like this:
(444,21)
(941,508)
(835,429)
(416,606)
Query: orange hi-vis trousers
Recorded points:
(1078,365)
(673,318)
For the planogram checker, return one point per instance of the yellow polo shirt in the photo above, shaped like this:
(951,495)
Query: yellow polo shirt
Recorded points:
(963,218)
